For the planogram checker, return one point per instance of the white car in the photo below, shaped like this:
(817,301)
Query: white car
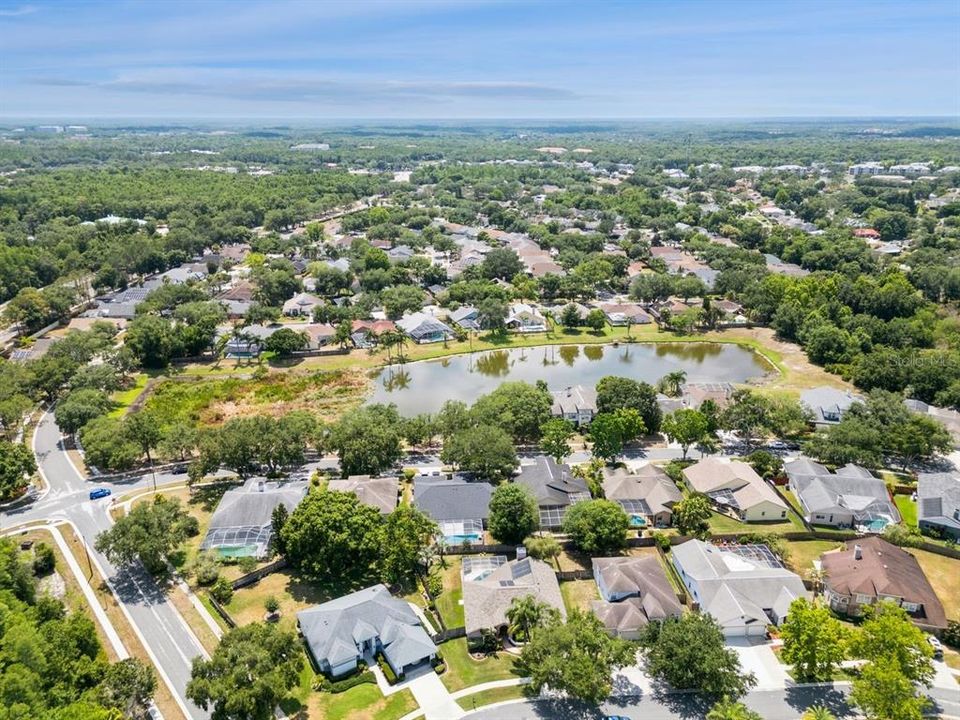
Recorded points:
(936,645)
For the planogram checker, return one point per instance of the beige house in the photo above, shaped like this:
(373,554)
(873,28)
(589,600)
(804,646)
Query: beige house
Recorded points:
(490,585)
(735,488)
(647,496)
(635,590)
(381,493)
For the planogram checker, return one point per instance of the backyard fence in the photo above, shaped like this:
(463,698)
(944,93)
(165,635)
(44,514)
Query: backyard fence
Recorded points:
(449,634)
(221,612)
(258,574)
(574,575)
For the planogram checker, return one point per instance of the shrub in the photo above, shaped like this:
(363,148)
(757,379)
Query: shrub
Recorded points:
(247,564)
(439,668)
(271,604)
(542,548)
(487,642)
(434,584)
(43,559)
(661,539)
(222,591)
(386,669)
(207,568)
(338,686)
(902,535)
(951,636)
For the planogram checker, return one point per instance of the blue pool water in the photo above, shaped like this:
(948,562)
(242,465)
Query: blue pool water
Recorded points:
(459,539)
(638,521)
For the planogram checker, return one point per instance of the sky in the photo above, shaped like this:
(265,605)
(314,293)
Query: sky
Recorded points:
(478,59)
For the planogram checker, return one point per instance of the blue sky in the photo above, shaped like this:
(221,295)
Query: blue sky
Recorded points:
(329,59)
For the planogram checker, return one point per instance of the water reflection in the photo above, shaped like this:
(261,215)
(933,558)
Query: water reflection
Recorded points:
(569,354)
(422,387)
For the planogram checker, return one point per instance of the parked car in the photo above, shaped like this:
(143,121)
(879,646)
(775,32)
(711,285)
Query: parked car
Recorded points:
(98,493)
(937,647)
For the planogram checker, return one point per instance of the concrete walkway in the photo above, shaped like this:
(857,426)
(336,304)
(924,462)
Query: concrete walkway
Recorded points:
(760,659)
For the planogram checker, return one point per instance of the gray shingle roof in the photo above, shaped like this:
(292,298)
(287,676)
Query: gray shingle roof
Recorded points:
(453,499)
(852,488)
(551,484)
(649,483)
(485,601)
(334,629)
(380,493)
(248,510)
(938,498)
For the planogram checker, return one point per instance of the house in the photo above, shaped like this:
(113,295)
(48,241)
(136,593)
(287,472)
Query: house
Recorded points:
(744,587)
(467,317)
(424,328)
(248,342)
(319,334)
(491,584)
(400,253)
(525,318)
(459,507)
(950,419)
(242,524)
(938,503)
(364,333)
(634,591)
(871,569)
(341,632)
(626,314)
(242,290)
(301,305)
(694,394)
(827,404)
(733,486)
(577,403)
(850,497)
(647,496)
(381,492)
(554,487)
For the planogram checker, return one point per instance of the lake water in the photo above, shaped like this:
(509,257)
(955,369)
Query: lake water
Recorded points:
(423,387)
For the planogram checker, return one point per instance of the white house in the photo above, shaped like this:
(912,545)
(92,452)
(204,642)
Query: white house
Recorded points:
(526,318)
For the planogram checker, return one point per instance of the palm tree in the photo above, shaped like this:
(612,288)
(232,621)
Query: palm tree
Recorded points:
(341,335)
(818,712)
(672,382)
(526,613)
(816,576)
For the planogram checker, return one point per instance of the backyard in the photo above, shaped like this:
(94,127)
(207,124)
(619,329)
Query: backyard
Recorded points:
(802,553)
(449,601)
(579,594)
(944,575)
(907,509)
(726,525)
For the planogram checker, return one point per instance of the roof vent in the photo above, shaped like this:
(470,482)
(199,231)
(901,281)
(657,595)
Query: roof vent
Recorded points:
(857,552)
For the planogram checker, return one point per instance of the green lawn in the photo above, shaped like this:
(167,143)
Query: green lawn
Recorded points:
(463,671)
(792,499)
(448,603)
(724,525)
(907,508)
(125,398)
(363,702)
(579,594)
(804,552)
(494,695)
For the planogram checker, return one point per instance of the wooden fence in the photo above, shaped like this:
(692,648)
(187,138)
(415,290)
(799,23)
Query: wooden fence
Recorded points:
(258,574)
(221,612)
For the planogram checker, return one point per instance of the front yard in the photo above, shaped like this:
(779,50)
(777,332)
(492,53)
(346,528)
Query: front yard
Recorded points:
(463,671)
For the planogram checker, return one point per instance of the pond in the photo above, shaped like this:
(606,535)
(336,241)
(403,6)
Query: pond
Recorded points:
(423,387)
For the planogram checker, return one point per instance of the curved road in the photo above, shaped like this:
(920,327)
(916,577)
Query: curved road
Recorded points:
(166,636)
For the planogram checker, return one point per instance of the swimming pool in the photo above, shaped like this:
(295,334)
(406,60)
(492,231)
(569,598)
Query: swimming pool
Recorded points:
(638,521)
(461,538)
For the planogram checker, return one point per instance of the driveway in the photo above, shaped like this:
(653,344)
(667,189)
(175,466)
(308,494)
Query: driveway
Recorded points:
(760,659)
(432,695)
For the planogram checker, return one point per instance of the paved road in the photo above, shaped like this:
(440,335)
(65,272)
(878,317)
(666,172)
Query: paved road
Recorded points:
(166,635)
(786,704)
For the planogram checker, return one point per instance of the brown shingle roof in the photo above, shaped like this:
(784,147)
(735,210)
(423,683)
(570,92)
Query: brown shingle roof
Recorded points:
(883,569)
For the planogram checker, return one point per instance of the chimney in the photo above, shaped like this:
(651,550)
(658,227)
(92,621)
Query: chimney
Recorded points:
(857,553)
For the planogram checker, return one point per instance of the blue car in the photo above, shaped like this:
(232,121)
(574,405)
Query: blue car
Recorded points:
(98,493)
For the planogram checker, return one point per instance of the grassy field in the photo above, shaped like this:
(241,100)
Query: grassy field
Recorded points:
(804,552)
(326,393)
(125,398)
(907,508)
(448,603)
(463,671)
(578,594)
(944,575)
